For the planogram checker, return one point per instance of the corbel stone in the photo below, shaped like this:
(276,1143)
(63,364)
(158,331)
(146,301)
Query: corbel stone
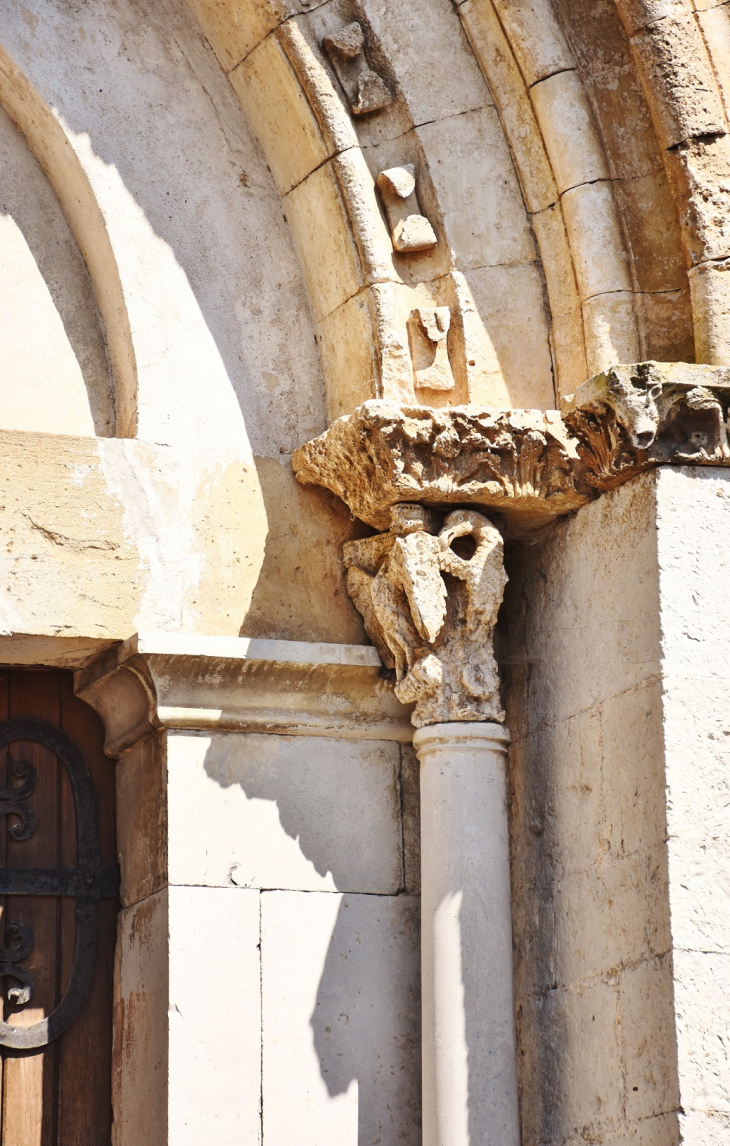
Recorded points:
(162,680)
(634,417)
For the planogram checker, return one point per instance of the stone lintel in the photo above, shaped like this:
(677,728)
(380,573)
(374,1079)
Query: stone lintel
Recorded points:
(164,680)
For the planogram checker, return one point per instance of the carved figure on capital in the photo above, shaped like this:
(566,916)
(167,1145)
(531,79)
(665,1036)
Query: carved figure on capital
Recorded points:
(431,610)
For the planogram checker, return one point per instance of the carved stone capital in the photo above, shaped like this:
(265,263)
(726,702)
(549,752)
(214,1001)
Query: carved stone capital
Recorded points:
(430,588)
(429,598)
(648,414)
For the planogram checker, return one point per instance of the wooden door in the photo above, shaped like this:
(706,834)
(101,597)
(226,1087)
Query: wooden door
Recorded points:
(56,1094)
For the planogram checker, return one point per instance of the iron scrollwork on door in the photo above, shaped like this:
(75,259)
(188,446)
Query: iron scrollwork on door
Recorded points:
(87,883)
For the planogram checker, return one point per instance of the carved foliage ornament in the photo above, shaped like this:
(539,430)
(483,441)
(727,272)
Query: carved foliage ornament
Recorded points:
(430,609)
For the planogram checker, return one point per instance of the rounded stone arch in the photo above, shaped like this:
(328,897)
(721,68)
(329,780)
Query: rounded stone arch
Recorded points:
(50,145)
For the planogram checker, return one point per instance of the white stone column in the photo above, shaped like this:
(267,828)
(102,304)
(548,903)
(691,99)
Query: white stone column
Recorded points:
(469,1066)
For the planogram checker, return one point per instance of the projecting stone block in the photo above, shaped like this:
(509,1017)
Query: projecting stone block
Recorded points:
(310,813)
(341,1020)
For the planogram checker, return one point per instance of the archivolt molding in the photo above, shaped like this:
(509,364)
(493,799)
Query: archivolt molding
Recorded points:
(605,226)
(54,151)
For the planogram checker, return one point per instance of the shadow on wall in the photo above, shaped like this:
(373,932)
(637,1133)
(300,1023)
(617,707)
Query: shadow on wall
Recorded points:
(52,342)
(300,593)
(340,974)
(216,297)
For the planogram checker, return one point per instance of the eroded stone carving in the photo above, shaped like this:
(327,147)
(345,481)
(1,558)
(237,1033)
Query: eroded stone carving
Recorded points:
(365,89)
(653,413)
(409,229)
(428,331)
(519,462)
(437,638)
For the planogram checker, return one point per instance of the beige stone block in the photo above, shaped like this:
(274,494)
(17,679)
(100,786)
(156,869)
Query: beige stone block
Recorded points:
(595,238)
(716,33)
(699,176)
(170,1083)
(647,1028)
(510,300)
(494,53)
(611,330)
(649,214)
(567,126)
(483,212)
(666,324)
(571,1037)
(341,1019)
(412,40)
(278,810)
(709,286)
(346,345)
(694,502)
(140,1053)
(636,14)
(702,1008)
(697,728)
(235,28)
(536,38)
(280,113)
(566,326)
(600,588)
(633,775)
(142,820)
(214,1096)
(610,916)
(676,68)
(300,592)
(557,262)
(569,353)
(700,1128)
(315,209)
(699,876)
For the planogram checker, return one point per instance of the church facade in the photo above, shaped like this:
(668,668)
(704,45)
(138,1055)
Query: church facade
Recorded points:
(364,628)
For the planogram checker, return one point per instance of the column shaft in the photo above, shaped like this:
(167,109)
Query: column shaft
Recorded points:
(469,1066)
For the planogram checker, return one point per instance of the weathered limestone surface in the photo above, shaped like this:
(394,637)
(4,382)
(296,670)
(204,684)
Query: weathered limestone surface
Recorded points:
(617,705)
(516,461)
(438,642)
(652,413)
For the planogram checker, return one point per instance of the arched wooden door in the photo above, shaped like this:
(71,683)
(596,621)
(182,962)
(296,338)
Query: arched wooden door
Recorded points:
(58,858)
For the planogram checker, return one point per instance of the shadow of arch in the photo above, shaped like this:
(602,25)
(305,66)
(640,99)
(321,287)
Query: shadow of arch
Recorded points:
(49,144)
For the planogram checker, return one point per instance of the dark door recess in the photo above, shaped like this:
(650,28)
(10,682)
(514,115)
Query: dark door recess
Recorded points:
(58,907)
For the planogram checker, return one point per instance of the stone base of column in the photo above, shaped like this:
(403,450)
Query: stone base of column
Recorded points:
(469,1065)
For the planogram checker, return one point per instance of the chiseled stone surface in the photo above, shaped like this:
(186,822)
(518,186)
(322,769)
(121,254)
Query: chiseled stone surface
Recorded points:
(619,713)
(341,1019)
(309,814)
(517,462)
